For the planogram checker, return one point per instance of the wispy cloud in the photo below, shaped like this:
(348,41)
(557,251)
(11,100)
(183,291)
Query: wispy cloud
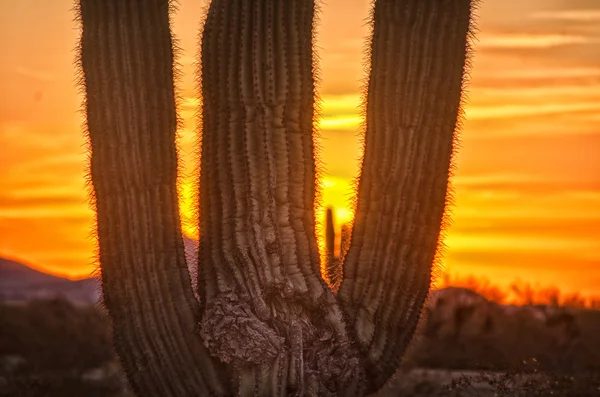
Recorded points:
(547,72)
(36,74)
(524,40)
(590,15)
(339,122)
(507,111)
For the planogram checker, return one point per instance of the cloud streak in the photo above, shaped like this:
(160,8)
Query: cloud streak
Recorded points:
(34,74)
(528,41)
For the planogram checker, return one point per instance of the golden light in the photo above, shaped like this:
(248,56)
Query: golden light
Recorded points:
(527,186)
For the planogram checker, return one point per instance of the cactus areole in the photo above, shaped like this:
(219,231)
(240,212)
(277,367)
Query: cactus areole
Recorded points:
(266,323)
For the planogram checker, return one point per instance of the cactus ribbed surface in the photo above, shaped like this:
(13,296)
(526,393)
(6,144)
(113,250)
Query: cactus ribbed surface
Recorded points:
(258,247)
(267,324)
(418,52)
(127,61)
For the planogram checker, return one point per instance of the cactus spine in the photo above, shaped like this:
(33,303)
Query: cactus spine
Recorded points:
(267,324)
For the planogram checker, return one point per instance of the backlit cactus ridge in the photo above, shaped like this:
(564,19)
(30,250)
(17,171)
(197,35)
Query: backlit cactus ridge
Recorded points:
(267,323)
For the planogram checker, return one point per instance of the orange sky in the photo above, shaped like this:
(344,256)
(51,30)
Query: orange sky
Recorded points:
(527,187)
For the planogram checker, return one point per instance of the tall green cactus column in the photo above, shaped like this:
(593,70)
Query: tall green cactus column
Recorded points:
(127,64)
(259,260)
(267,323)
(418,54)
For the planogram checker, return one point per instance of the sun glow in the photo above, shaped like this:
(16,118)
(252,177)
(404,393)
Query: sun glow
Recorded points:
(527,179)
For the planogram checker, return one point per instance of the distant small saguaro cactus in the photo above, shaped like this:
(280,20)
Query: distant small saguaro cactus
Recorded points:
(333,263)
(266,324)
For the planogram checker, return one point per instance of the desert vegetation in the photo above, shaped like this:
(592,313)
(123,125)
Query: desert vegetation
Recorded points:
(56,348)
(519,292)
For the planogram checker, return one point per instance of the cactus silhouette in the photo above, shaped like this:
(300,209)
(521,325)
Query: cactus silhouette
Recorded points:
(333,263)
(266,322)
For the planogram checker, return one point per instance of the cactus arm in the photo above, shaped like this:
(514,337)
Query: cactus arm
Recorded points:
(259,261)
(418,59)
(257,169)
(127,72)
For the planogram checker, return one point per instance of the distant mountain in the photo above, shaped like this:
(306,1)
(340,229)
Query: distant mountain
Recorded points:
(14,274)
(19,282)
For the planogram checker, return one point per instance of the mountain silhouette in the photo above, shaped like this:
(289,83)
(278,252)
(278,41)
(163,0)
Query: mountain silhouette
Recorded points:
(20,282)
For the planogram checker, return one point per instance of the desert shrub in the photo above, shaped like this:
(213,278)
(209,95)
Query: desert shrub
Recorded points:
(486,336)
(55,334)
(525,380)
(51,384)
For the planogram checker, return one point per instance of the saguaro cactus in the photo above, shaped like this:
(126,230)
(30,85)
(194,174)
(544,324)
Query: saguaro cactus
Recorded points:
(333,263)
(267,323)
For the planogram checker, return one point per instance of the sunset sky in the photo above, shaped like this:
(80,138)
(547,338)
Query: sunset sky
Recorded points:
(527,184)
